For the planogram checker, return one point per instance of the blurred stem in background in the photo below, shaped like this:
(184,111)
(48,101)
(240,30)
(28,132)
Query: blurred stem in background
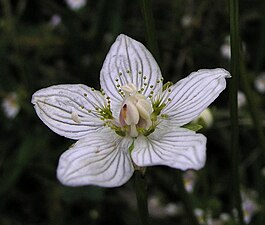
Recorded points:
(256,116)
(184,195)
(235,71)
(7,13)
(150,33)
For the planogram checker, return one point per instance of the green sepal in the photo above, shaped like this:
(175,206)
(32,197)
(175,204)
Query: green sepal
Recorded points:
(193,127)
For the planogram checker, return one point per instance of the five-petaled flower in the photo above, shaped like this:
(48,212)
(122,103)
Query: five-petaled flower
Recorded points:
(134,121)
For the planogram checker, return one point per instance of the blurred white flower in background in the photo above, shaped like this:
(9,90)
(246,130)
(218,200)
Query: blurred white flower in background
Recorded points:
(225,48)
(10,105)
(172,209)
(224,218)
(159,210)
(205,217)
(259,83)
(249,205)
(205,118)
(189,178)
(241,99)
(76,4)
(186,20)
(55,20)
(263,171)
(200,215)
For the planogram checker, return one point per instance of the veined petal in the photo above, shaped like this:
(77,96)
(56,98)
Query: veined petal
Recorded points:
(128,61)
(69,110)
(100,159)
(191,95)
(179,148)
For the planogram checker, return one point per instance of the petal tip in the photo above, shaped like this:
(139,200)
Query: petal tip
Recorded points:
(34,99)
(121,36)
(226,73)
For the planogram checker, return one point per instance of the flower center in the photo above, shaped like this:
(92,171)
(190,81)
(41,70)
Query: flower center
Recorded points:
(136,111)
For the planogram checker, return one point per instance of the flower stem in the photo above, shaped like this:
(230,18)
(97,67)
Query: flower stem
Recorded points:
(235,71)
(140,186)
(149,27)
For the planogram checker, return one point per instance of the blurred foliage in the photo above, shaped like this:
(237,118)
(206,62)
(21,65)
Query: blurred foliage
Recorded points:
(45,42)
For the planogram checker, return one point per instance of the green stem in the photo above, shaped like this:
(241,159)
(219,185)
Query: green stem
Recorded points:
(8,17)
(150,27)
(253,109)
(235,71)
(141,196)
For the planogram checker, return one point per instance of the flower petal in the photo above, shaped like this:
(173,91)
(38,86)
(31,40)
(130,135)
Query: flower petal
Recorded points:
(128,61)
(69,110)
(100,159)
(191,95)
(180,148)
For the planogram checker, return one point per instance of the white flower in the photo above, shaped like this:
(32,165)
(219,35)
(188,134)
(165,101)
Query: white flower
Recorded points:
(76,4)
(133,121)
(10,105)
(260,83)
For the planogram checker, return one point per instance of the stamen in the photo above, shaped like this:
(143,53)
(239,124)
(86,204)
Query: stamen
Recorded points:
(135,113)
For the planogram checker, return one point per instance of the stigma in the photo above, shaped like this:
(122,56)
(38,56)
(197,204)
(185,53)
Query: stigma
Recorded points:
(135,112)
